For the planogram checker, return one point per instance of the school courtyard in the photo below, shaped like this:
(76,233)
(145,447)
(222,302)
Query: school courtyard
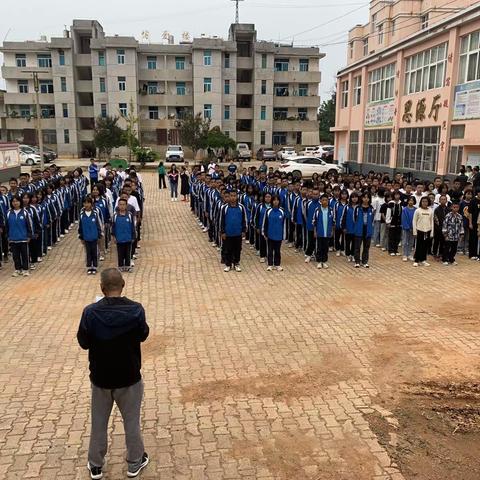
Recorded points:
(304,374)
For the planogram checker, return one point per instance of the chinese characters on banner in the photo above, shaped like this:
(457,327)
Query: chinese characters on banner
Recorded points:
(380,114)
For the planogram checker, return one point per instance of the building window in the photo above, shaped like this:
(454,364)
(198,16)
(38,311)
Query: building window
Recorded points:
(49,137)
(280,113)
(418,148)
(365,47)
(122,107)
(381,83)
(469,69)
(392,29)
(262,137)
(102,85)
(373,24)
(281,65)
(263,88)
(61,57)
(227,133)
(44,60)
(207,110)
(121,57)
(207,58)
(207,85)
(122,83)
(264,60)
(226,89)
(153,113)
(65,110)
(426,70)
(357,90)
(47,111)
(376,146)
(66,136)
(263,112)
(181,90)
(350,49)
(303,90)
(226,112)
(424,21)
(279,138)
(151,63)
(21,60)
(101,58)
(457,131)
(353,147)
(25,111)
(180,63)
(344,94)
(103,110)
(152,88)
(281,89)
(226,61)
(302,113)
(380,33)
(455,157)
(22,86)
(304,64)
(46,86)
(63,84)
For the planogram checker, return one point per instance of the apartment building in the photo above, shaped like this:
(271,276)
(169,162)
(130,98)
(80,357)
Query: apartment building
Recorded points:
(409,97)
(3,129)
(258,92)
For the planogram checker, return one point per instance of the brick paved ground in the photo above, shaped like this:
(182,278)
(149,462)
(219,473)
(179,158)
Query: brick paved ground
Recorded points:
(248,375)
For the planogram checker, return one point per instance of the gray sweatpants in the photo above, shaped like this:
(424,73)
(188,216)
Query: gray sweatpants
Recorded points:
(128,400)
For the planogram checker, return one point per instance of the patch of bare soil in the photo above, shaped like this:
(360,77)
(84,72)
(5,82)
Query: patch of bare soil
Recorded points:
(294,456)
(429,413)
(155,345)
(333,368)
(463,315)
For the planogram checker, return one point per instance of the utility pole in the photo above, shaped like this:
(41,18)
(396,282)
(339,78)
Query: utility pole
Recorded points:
(36,87)
(237,15)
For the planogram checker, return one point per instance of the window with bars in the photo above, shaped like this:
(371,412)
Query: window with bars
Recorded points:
(22,86)
(418,148)
(103,110)
(152,88)
(376,146)
(181,89)
(281,65)
(226,87)
(101,58)
(304,64)
(207,85)
(263,112)
(151,63)
(207,58)
(263,90)
(426,70)
(207,110)
(121,56)
(65,110)
(226,112)
(101,81)
(61,57)
(46,86)
(44,60)
(122,107)
(21,60)
(344,94)
(25,111)
(455,158)
(469,66)
(381,83)
(357,90)
(424,21)
(180,63)
(353,147)
(122,83)
(47,111)
(303,90)
(63,84)
(153,113)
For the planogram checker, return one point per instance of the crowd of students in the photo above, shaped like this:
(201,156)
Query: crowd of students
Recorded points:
(38,210)
(336,214)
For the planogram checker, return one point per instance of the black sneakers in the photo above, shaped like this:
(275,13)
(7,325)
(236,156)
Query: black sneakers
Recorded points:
(134,470)
(95,472)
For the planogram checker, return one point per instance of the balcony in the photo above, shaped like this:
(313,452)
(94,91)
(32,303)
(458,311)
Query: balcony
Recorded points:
(171,75)
(83,60)
(244,62)
(294,125)
(86,135)
(18,73)
(84,86)
(166,100)
(245,89)
(244,137)
(296,101)
(293,76)
(161,123)
(85,112)
(28,98)
(21,123)
(244,113)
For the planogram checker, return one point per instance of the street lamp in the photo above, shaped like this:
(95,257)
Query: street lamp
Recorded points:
(36,87)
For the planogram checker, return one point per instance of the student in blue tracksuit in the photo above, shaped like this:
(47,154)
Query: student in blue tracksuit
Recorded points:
(93,173)
(363,231)
(273,229)
(19,231)
(4,206)
(249,202)
(349,225)
(233,223)
(298,218)
(101,204)
(2,229)
(123,230)
(262,207)
(310,210)
(323,231)
(29,202)
(90,231)
(407,228)
(339,209)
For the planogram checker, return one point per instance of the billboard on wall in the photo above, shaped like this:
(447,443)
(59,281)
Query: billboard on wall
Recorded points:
(467,101)
(380,114)
(9,157)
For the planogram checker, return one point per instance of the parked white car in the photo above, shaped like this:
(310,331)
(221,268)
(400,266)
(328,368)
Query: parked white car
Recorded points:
(30,159)
(307,166)
(243,152)
(306,151)
(174,153)
(286,153)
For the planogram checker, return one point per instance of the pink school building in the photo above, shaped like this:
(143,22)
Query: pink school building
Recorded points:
(409,98)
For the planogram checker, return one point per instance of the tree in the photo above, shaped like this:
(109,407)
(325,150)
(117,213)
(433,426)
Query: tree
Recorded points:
(194,131)
(326,119)
(108,135)
(218,141)
(131,134)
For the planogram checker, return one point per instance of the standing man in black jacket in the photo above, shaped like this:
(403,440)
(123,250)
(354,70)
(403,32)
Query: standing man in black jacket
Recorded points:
(112,330)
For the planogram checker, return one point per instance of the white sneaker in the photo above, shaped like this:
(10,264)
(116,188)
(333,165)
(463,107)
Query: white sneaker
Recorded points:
(405,259)
(320,265)
(397,254)
(425,264)
(16,273)
(247,242)
(49,248)
(204,229)
(269,268)
(262,260)
(446,264)
(32,266)
(325,265)
(366,265)
(135,256)
(307,259)
(25,273)
(132,263)
(172,200)
(415,264)
(279,269)
(227,269)
(473,258)
(342,254)
(102,258)
(384,249)
(357,265)
(410,258)
(377,245)
(454,263)
(40,260)
(290,245)
(337,254)
(330,249)
(392,254)
(238,268)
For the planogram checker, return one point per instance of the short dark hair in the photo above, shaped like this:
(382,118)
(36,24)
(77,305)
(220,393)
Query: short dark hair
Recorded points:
(111,280)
